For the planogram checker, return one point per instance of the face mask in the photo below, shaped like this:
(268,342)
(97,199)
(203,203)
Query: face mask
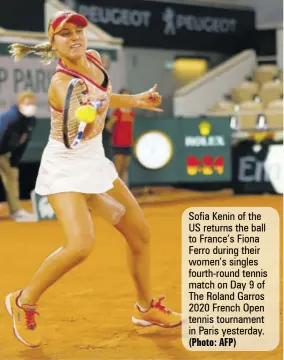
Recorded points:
(28,110)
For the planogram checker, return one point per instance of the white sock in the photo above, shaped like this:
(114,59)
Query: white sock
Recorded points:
(141,308)
(19,302)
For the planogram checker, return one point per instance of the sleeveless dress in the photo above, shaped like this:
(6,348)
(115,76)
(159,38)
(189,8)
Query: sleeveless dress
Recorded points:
(84,169)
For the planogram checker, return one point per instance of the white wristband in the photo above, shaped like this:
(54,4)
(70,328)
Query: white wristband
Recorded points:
(96,104)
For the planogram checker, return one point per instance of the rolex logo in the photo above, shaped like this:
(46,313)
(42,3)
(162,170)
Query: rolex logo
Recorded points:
(204,128)
(204,139)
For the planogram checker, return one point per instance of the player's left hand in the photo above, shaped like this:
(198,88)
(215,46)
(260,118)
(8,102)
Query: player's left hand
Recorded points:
(149,100)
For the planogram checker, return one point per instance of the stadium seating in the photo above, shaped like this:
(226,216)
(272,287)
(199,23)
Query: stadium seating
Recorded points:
(274,115)
(270,91)
(265,73)
(257,103)
(248,115)
(245,91)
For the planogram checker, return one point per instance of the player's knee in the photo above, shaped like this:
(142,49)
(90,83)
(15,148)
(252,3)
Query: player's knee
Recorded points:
(80,252)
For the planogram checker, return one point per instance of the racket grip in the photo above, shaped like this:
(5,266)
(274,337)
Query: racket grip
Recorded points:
(97,104)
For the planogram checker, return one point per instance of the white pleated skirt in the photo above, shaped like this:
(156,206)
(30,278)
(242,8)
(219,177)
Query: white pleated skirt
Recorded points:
(84,169)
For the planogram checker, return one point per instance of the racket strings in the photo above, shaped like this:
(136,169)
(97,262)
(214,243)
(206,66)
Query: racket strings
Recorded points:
(79,97)
(56,125)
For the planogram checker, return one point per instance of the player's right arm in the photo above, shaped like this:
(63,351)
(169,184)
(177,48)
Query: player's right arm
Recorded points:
(58,90)
(57,94)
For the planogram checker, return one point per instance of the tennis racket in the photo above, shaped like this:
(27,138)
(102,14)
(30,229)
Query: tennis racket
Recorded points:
(76,118)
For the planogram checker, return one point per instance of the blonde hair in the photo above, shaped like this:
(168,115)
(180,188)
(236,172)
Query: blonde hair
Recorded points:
(25,94)
(44,50)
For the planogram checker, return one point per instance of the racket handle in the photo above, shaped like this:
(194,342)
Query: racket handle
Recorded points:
(97,104)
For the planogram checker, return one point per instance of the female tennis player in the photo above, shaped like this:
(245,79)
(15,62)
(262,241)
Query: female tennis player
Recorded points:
(76,176)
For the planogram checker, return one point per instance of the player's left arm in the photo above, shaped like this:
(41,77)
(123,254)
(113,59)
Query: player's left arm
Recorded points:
(148,100)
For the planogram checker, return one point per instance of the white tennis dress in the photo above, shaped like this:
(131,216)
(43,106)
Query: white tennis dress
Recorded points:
(84,169)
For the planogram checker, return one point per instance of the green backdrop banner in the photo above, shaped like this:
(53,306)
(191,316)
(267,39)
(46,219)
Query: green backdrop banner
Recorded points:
(152,151)
(38,142)
(181,150)
(167,150)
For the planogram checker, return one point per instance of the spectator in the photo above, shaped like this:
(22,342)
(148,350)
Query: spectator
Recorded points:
(16,126)
(121,126)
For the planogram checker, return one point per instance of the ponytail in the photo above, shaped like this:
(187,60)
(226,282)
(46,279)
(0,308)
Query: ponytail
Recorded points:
(43,50)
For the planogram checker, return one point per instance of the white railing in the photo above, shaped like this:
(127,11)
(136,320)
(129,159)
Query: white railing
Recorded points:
(26,37)
(199,96)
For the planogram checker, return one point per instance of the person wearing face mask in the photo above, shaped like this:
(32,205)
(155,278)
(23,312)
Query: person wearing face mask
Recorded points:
(16,126)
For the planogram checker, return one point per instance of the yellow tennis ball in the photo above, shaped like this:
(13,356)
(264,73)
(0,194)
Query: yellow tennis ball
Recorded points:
(86,113)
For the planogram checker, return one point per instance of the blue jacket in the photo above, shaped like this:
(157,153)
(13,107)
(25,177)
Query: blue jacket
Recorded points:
(13,125)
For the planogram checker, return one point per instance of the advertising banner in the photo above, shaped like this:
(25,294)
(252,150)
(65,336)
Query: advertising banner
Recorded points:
(169,25)
(156,151)
(206,152)
(258,167)
(27,74)
(187,150)
(41,207)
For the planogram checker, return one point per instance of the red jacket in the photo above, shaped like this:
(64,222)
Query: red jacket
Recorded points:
(123,127)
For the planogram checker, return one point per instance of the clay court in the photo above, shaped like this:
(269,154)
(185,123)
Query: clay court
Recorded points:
(87,315)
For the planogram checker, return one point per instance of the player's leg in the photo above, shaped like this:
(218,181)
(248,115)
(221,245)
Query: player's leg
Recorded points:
(72,211)
(134,228)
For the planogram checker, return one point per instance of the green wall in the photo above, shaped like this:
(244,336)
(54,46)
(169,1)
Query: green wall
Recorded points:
(201,149)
